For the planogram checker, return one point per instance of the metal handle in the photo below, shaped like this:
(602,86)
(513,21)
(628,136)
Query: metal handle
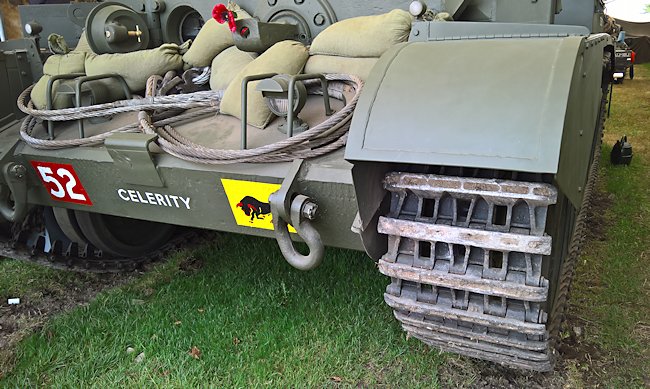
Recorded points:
(81,78)
(244,104)
(50,99)
(77,92)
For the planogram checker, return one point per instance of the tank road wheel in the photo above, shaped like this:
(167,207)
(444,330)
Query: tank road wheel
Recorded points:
(55,232)
(67,222)
(122,236)
(63,238)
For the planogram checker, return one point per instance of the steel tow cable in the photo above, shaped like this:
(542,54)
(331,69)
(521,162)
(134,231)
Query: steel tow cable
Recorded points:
(321,139)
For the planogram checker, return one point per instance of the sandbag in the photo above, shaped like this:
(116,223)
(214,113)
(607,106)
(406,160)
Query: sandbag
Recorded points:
(55,65)
(227,65)
(286,57)
(104,91)
(73,62)
(359,67)
(364,36)
(138,66)
(82,45)
(38,95)
(211,40)
(109,90)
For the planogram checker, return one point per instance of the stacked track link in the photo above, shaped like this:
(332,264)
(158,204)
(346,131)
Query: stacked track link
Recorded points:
(465,260)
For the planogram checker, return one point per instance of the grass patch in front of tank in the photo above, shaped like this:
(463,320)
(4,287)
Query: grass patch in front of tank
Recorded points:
(17,278)
(43,293)
(611,296)
(255,320)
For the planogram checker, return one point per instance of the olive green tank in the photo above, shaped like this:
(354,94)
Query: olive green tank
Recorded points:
(456,142)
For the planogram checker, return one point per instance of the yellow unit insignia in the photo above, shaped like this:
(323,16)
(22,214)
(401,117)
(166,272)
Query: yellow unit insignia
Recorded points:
(249,202)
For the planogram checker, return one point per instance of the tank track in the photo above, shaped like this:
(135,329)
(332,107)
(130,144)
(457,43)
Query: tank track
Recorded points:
(569,265)
(465,258)
(29,242)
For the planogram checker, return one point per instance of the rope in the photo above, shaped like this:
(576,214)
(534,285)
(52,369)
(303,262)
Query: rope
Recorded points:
(320,139)
(186,101)
(27,128)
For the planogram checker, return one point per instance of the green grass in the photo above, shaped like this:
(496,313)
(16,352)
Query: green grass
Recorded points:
(255,320)
(20,278)
(613,282)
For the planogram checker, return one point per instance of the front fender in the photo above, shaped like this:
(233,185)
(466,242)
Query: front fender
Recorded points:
(484,103)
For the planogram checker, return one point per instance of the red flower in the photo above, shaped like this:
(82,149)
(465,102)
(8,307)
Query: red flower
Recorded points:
(219,13)
(222,14)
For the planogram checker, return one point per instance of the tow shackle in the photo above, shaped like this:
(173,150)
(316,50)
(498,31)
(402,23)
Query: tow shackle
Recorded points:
(287,207)
(303,210)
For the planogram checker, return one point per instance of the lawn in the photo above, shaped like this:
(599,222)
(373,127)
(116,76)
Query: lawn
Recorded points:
(611,299)
(248,316)
(233,313)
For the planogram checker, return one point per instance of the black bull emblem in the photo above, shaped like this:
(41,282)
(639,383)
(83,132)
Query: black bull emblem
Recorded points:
(254,208)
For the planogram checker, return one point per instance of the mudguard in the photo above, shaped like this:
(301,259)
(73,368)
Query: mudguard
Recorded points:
(497,103)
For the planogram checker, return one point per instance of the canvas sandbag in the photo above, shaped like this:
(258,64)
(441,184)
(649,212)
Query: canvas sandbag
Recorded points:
(55,65)
(138,66)
(73,62)
(39,93)
(286,57)
(359,67)
(82,45)
(364,36)
(110,90)
(211,40)
(227,65)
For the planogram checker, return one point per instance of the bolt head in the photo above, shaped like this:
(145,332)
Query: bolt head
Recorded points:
(18,171)
(319,19)
(309,210)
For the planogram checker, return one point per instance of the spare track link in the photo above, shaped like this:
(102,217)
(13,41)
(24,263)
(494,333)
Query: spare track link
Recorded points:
(465,259)
(85,257)
(446,287)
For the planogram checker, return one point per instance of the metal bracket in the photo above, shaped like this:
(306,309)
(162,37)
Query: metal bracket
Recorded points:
(80,79)
(244,104)
(297,210)
(292,86)
(130,153)
(77,92)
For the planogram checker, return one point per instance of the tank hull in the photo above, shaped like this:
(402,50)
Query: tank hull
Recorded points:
(469,165)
